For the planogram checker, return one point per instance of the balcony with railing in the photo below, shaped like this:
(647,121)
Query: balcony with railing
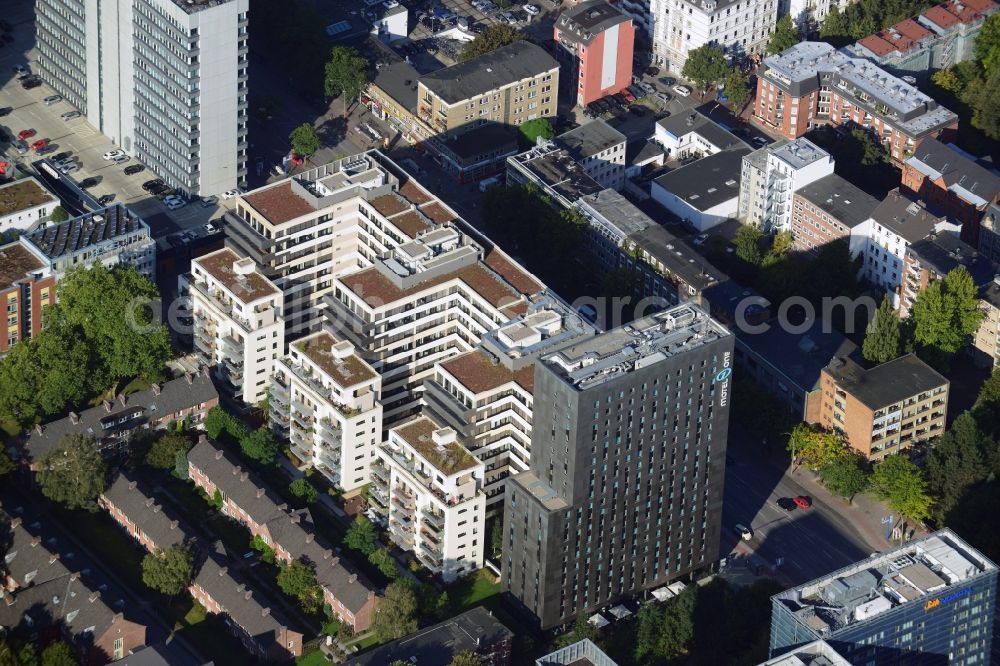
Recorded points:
(279,393)
(431,518)
(223,304)
(330,433)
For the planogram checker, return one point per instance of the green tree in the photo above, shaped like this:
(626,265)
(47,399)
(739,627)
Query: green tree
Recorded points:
(217,500)
(19,381)
(63,358)
(987,45)
(948,80)
(647,635)
(496,537)
(538,127)
(466,658)
(13,653)
(747,241)
(678,623)
(266,552)
(164,451)
(815,446)
(900,482)
(956,463)
(305,140)
(780,246)
(382,560)
(706,65)
(582,630)
(845,475)
(396,613)
(882,336)
(872,152)
(946,312)
(736,89)
(304,490)
(361,536)
(346,74)
(216,422)
(785,35)
(114,310)
(59,654)
(260,446)
(984,98)
(834,25)
(74,473)
(294,577)
(58,215)
(862,27)
(489,40)
(168,571)
(6,464)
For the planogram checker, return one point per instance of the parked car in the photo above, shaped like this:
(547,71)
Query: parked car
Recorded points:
(637,91)
(38,145)
(700,239)
(30,83)
(229,194)
(121,159)
(150,184)
(89,182)
(21,71)
(208,202)
(106,199)
(476,28)
(67,169)
(668,81)
(174,204)
(509,18)
(112,154)
(70,115)
(4,110)
(759,141)
(652,71)
(62,157)
(802,501)
(619,100)
(683,91)
(24,135)
(745,532)
(532,10)
(786,503)
(21,147)
(627,94)
(134,169)
(52,99)
(647,88)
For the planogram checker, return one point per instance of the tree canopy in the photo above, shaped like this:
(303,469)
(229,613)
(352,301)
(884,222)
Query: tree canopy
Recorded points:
(163,453)
(396,614)
(816,447)
(298,580)
(305,139)
(304,490)
(466,658)
(382,560)
(361,536)
(900,482)
(58,215)
(957,462)
(74,473)
(882,339)
(946,312)
(747,241)
(538,127)
(706,65)
(987,45)
(168,571)
(845,475)
(785,35)
(346,74)
(736,89)
(261,446)
(489,40)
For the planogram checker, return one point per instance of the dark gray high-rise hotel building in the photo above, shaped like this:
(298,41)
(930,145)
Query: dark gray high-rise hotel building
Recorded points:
(624,491)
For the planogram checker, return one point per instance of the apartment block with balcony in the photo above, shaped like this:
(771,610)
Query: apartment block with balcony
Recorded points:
(938,38)
(325,400)
(595,42)
(332,220)
(26,288)
(813,84)
(238,326)
(986,342)
(423,302)
(932,258)
(486,395)
(886,409)
(790,167)
(429,490)
(741,27)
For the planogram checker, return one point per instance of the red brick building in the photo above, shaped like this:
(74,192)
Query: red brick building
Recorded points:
(812,84)
(291,534)
(826,210)
(952,185)
(595,44)
(26,287)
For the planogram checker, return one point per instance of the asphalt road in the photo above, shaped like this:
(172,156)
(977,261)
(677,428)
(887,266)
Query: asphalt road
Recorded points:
(813,541)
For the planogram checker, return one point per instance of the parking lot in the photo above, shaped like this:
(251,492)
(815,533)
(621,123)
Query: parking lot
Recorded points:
(76,136)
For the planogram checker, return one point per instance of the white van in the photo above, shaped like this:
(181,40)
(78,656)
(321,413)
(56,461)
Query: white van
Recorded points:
(487,183)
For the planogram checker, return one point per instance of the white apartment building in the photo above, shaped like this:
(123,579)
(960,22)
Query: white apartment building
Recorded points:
(789,167)
(809,15)
(429,489)
(896,223)
(329,221)
(423,302)
(741,27)
(164,79)
(24,203)
(238,327)
(486,395)
(325,400)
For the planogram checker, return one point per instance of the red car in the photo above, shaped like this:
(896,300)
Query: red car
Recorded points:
(26,134)
(628,96)
(38,145)
(802,502)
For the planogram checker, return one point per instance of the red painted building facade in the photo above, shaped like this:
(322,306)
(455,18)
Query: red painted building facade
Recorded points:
(595,42)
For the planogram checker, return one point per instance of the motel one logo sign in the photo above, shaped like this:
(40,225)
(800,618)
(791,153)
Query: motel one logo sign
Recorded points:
(723,377)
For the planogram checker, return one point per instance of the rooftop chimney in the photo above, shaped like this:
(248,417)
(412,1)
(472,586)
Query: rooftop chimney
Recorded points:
(223,571)
(53,557)
(15,522)
(38,428)
(94,596)
(244,476)
(309,538)
(174,524)
(132,485)
(352,578)
(107,406)
(260,493)
(156,389)
(218,454)
(237,470)
(264,612)
(189,378)
(247,595)
(122,399)
(74,418)
(35,541)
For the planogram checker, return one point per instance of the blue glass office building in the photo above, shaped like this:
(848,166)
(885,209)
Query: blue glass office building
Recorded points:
(929,603)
